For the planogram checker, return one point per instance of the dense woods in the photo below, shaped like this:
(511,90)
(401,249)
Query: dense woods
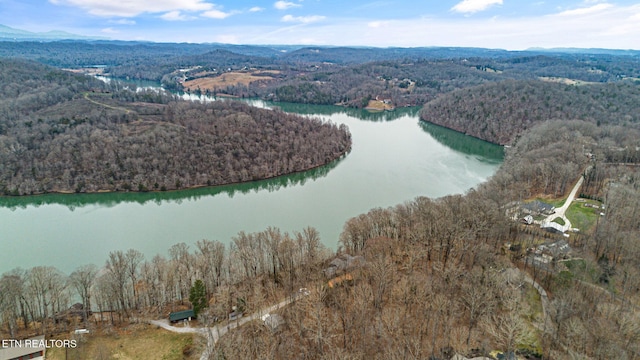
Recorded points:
(499,112)
(330,75)
(63,132)
(438,280)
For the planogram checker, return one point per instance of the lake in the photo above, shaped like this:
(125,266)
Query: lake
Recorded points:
(394,159)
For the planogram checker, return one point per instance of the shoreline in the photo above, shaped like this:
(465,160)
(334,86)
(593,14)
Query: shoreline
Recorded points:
(193,187)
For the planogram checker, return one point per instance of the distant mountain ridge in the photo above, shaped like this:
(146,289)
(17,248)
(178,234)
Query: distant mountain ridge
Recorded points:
(9,33)
(596,51)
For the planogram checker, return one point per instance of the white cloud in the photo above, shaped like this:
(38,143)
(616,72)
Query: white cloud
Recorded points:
(123,22)
(472,6)
(110,31)
(303,19)
(216,14)
(175,16)
(256,9)
(378,24)
(134,8)
(616,27)
(284,5)
(586,11)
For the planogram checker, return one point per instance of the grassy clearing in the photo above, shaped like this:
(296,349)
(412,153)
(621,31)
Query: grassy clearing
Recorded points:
(566,81)
(582,217)
(378,105)
(226,79)
(134,342)
(559,220)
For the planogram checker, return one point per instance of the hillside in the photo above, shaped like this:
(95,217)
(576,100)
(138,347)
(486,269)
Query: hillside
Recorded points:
(63,132)
(350,76)
(499,112)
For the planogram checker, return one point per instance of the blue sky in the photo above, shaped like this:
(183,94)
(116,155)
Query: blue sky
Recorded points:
(505,24)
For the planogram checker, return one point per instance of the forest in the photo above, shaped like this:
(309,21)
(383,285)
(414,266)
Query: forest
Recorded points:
(69,133)
(332,75)
(425,279)
(499,112)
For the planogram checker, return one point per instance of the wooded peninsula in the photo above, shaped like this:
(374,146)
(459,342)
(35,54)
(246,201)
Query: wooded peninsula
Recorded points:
(63,132)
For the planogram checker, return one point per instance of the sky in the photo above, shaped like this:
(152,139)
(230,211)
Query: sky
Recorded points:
(501,24)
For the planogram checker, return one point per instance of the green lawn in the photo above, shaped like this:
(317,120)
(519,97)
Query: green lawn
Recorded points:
(582,217)
(559,220)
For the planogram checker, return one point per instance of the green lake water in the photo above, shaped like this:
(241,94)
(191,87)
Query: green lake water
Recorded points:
(394,158)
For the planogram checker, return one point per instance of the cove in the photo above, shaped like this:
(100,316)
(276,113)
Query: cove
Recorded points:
(394,159)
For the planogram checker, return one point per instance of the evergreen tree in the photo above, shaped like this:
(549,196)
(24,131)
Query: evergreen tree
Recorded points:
(198,296)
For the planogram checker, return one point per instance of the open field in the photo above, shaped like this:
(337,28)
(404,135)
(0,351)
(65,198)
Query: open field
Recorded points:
(134,342)
(377,105)
(228,79)
(565,81)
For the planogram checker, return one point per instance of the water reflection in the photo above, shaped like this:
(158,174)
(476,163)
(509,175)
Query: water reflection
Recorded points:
(468,145)
(111,199)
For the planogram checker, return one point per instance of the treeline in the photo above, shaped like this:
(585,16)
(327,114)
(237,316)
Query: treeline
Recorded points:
(254,270)
(330,75)
(438,281)
(587,65)
(417,81)
(113,53)
(498,112)
(170,69)
(77,140)
(401,82)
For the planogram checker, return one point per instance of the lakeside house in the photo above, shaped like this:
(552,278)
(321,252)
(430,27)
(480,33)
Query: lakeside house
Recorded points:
(75,312)
(537,207)
(341,264)
(545,254)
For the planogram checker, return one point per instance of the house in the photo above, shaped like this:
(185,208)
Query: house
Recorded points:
(342,263)
(33,348)
(76,311)
(537,207)
(545,255)
(182,315)
(559,249)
